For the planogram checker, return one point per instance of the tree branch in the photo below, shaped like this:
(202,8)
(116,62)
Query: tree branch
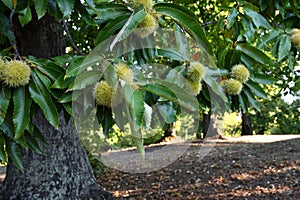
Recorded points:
(13,43)
(70,37)
(209,23)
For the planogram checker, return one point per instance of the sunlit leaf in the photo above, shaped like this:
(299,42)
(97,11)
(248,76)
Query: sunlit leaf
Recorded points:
(284,47)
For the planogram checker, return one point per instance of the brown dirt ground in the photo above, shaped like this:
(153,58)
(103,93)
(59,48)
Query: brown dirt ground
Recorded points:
(250,167)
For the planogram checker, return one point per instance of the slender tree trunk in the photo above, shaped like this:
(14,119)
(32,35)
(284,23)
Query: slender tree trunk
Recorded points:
(205,124)
(63,171)
(209,126)
(246,125)
(169,133)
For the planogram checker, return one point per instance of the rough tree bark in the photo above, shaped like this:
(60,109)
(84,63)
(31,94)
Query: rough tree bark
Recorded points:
(64,171)
(246,125)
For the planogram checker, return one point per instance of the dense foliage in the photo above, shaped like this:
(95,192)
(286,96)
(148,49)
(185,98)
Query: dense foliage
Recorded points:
(254,35)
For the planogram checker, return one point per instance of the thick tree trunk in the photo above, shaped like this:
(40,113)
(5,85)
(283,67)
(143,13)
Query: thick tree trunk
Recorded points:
(64,171)
(246,125)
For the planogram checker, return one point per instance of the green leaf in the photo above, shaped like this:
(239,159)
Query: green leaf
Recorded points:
(7,130)
(62,83)
(232,17)
(243,102)
(186,19)
(4,102)
(21,116)
(111,27)
(263,79)
(51,70)
(167,112)
(40,7)
(170,53)
(8,3)
(54,10)
(139,143)
(66,97)
(3,155)
(215,87)
(136,101)
(133,21)
(109,11)
(25,16)
(258,19)
(268,38)
(85,79)
(13,151)
(284,47)
(256,89)
(33,144)
(147,115)
(81,63)
(45,80)
(105,117)
(42,97)
(66,6)
(253,102)
(254,53)
(165,89)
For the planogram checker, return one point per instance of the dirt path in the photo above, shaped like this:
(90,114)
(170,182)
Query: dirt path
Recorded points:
(252,167)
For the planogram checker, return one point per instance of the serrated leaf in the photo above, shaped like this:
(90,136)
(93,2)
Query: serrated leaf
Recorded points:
(7,130)
(25,16)
(81,63)
(254,53)
(33,144)
(243,102)
(21,115)
(133,21)
(8,3)
(147,115)
(13,151)
(256,89)
(258,19)
(40,7)
(107,120)
(232,17)
(3,155)
(42,97)
(167,112)
(269,37)
(51,70)
(135,100)
(85,79)
(54,10)
(65,98)
(111,27)
(284,47)
(253,102)
(62,82)
(170,53)
(186,19)
(66,6)
(4,102)
(263,79)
